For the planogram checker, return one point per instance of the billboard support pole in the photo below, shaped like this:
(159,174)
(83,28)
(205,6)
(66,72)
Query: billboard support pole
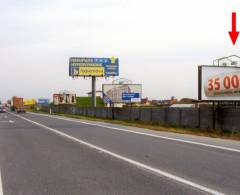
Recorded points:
(94,91)
(213,115)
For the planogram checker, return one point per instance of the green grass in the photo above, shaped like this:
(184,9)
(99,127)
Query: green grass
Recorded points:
(87,102)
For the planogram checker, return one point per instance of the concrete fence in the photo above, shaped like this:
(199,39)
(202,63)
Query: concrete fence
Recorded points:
(227,119)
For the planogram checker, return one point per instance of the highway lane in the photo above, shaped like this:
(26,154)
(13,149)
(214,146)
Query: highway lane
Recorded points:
(36,161)
(213,168)
(216,142)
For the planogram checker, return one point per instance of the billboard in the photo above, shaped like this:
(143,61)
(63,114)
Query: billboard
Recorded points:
(29,102)
(122,93)
(64,99)
(43,101)
(99,67)
(219,83)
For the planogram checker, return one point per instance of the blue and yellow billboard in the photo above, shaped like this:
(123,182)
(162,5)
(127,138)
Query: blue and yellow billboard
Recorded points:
(99,67)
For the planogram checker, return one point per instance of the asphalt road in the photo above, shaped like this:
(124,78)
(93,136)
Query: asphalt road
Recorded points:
(54,155)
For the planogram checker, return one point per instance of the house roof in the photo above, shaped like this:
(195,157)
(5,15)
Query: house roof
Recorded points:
(98,91)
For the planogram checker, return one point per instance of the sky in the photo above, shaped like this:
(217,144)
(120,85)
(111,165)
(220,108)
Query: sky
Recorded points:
(159,43)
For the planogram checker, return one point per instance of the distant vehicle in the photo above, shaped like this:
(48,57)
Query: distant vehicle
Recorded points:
(2,109)
(17,104)
(20,110)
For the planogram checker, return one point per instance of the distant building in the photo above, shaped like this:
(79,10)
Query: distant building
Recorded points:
(183,106)
(155,102)
(187,101)
(145,101)
(164,102)
(98,94)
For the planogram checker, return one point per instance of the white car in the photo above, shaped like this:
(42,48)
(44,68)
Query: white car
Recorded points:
(2,109)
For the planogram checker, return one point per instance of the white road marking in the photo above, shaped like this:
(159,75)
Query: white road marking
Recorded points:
(146,134)
(1,188)
(128,160)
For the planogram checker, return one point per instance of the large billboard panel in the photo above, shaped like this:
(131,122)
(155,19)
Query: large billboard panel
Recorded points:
(122,93)
(43,101)
(64,99)
(29,102)
(219,83)
(99,67)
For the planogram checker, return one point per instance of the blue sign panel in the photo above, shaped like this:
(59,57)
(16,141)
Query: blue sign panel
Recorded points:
(129,96)
(99,67)
(43,101)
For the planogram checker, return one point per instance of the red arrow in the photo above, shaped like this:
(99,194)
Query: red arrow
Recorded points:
(234,33)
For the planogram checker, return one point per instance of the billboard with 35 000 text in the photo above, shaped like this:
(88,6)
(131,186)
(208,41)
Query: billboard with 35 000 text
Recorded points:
(219,83)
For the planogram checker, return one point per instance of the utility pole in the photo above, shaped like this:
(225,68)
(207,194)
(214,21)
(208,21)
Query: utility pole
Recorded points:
(94,104)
